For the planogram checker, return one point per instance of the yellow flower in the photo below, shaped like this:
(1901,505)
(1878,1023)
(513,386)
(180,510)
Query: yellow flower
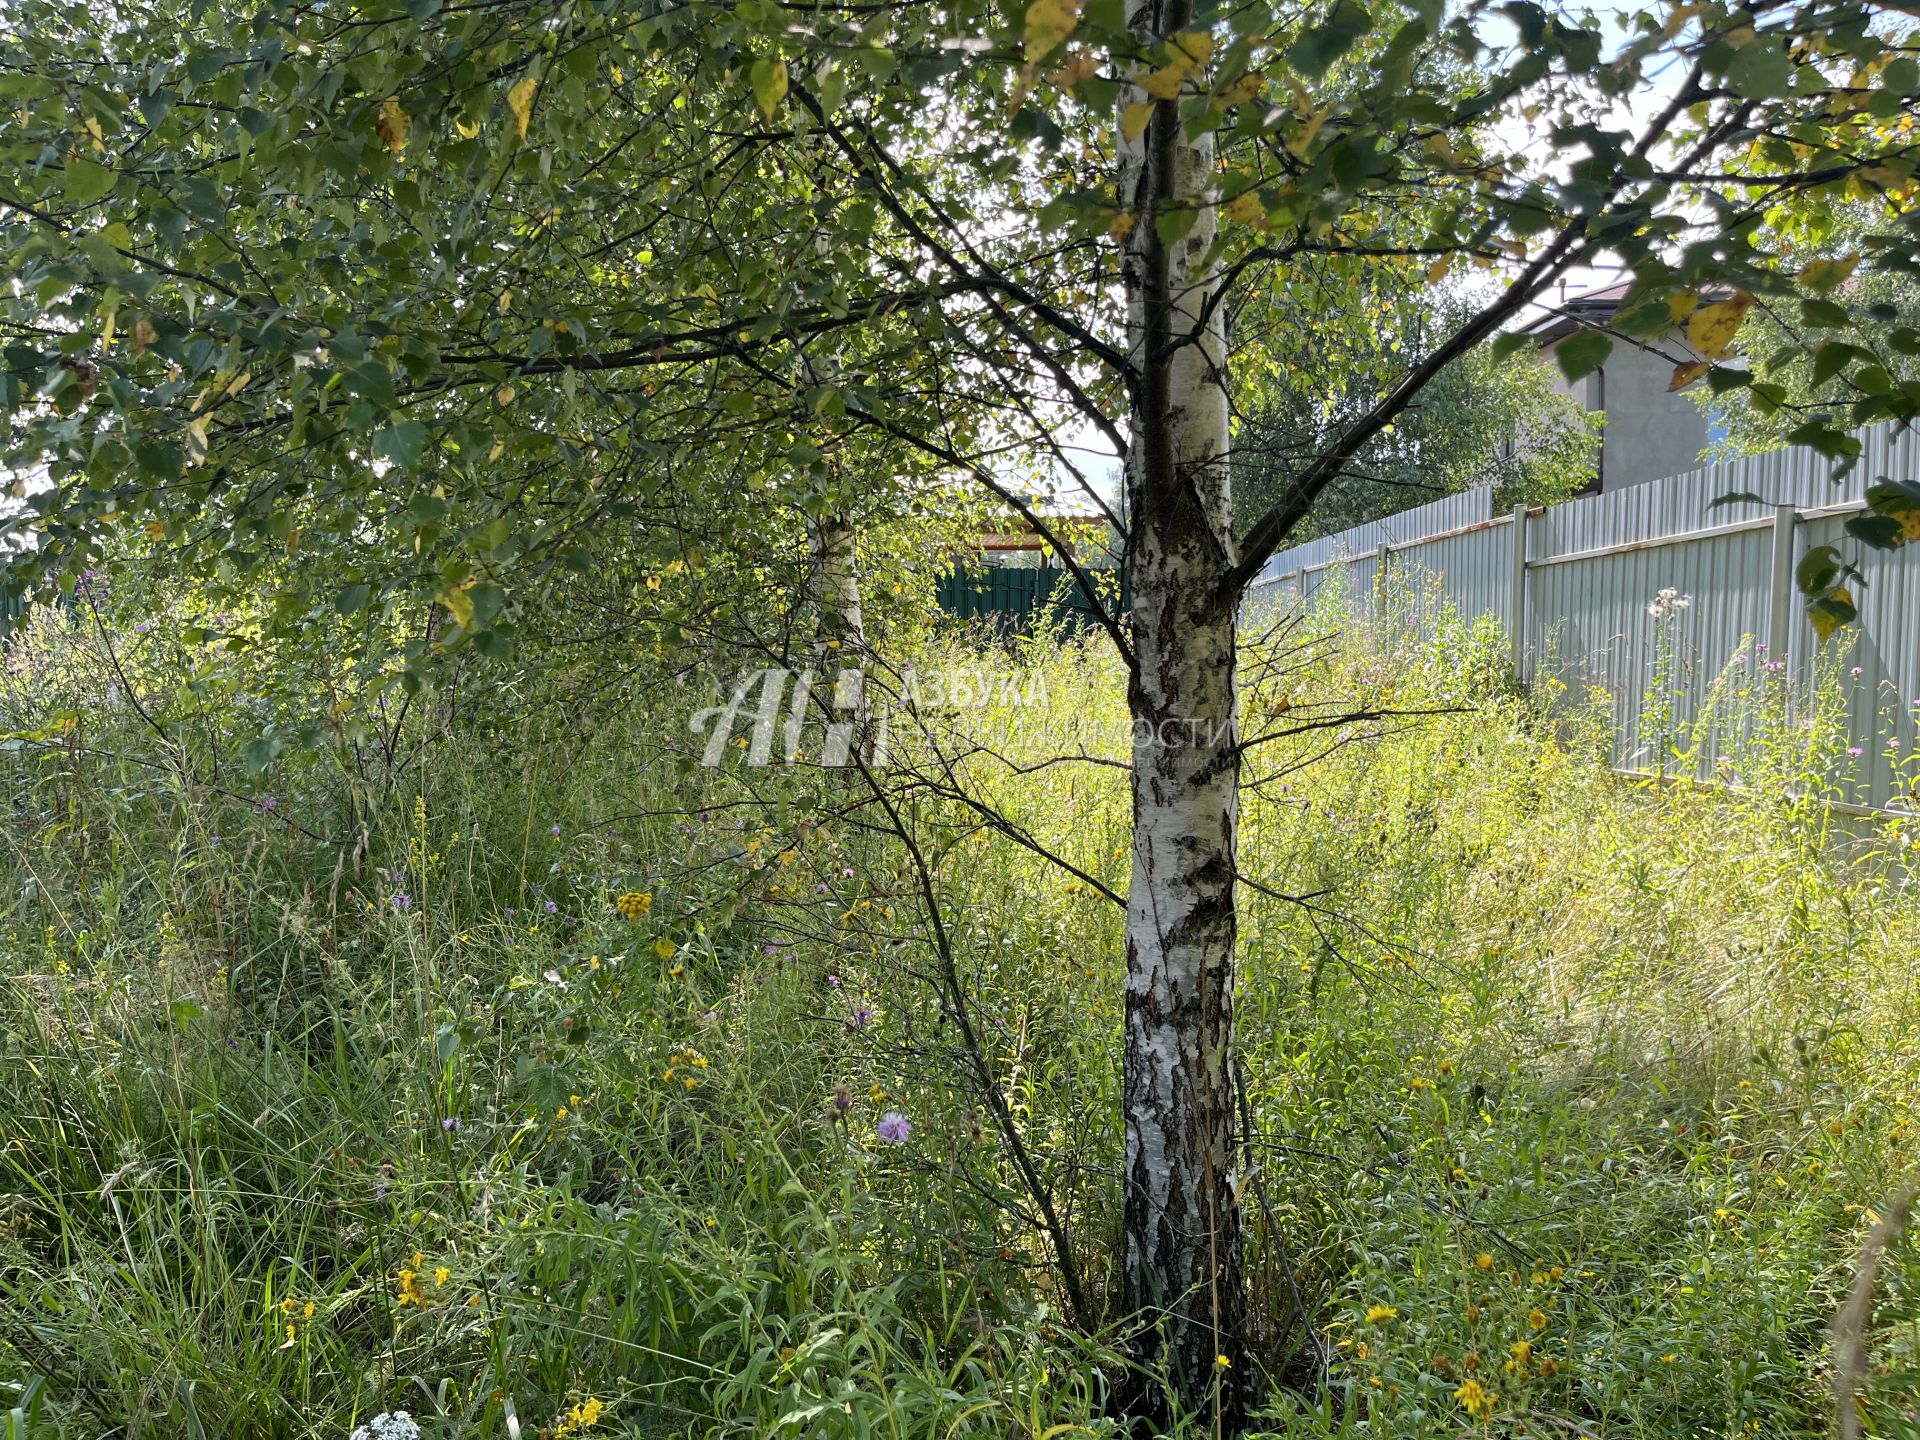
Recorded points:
(634,904)
(560,1114)
(1221,1362)
(1377,1313)
(441,1275)
(582,1416)
(1536,1319)
(1483,1260)
(1475,1399)
(664,948)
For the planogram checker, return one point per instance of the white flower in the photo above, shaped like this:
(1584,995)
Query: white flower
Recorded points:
(395,1425)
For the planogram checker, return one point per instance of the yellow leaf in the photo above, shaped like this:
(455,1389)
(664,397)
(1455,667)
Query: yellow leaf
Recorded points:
(467,128)
(499,449)
(769,81)
(1246,209)
(1298,145)
(1250,86)
(1078,68)
(504,395)
(1712,328)
(1685,375)
(1825,620)
(1196,45)
(94,133)
(1165,83)
(1824,275)
(392,124)
(1134,120)
(520,102)
(459,604)
(1680,306)
(156,530)
(1437,271)
(143,334)
(1121,227)
(1049,23)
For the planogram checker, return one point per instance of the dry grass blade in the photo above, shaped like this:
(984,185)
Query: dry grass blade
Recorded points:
(1850,1325)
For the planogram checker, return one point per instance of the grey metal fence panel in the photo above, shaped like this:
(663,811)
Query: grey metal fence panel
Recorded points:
(1594,566)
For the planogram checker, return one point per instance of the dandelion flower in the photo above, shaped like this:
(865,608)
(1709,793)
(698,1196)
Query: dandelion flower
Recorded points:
(1378,1313)
(1483,1260)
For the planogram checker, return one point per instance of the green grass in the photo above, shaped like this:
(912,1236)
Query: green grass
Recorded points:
(1616,1070)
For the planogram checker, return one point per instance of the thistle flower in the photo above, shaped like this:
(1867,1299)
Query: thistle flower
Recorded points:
(893,1128)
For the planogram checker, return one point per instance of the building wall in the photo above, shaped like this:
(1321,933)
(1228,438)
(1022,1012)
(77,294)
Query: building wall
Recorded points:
(1649,434)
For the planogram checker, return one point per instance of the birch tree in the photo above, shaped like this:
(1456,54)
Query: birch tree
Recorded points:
(437,297)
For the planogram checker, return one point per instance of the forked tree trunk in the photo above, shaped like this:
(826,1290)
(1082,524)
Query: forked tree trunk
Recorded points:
(1184,1266)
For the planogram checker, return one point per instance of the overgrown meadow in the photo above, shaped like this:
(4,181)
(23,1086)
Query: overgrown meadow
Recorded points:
(494,1060)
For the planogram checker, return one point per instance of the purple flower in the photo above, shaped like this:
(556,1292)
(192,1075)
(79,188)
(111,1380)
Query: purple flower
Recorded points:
(552,907)
(401,900)
(1855,670)
(1853,752)
(893,1128)
(847,874)
(511,912)
(833,982)
(450,1124)
(556,830)
(769,949)
(821,888)
(268,804)
(861,1018)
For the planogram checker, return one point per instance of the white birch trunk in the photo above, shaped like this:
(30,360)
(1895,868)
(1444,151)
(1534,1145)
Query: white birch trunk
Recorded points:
(1184,1263)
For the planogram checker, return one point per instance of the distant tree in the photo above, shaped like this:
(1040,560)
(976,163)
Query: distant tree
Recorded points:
(1501,423)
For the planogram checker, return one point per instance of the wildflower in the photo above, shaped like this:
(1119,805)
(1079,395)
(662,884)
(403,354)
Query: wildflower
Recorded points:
(410,1292)
(402,902)
(664,948)
(450,1124)
(555,831)
(893,1128)
(552,907)
(633,904)
(581,1416)
(833,982)
(1854,752)
(842,1100)
(1221,1362)
(441,1275)
(861,1018)
(397,1425)
(1377,1313)
(1483,1260)
(1549,1367)
(1537,1319)
(1475,1399)
(1668,1359)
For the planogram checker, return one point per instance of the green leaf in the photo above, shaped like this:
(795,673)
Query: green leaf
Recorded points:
(1326,42)
(1583,352)
(401,443)
(86,182)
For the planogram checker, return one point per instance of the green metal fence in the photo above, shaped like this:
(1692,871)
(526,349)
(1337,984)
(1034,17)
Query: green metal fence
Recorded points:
(1015,601)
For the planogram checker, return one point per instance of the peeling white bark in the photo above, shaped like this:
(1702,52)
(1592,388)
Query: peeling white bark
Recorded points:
(1183,1225)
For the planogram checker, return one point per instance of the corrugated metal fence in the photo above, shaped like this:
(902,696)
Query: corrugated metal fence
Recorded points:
(1572,585)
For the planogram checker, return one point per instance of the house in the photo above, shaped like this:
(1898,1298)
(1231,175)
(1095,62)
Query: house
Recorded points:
(1650,432)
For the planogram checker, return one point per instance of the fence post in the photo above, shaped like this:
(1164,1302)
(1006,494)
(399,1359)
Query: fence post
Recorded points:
(1785,518)
(1517,616)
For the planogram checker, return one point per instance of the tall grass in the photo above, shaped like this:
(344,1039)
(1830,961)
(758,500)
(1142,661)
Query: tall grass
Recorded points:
(1570,1098)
